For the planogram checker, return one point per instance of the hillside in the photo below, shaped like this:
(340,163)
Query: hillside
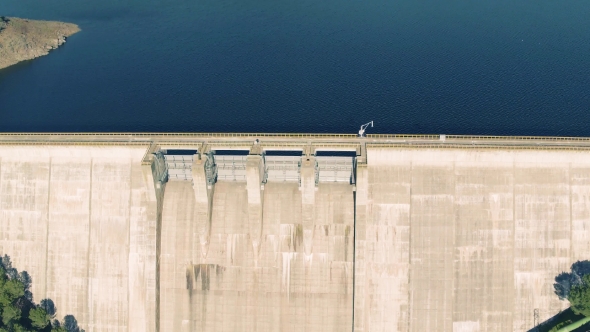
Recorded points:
(22,39)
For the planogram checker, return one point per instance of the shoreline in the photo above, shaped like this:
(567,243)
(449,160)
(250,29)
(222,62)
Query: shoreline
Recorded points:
(24,39)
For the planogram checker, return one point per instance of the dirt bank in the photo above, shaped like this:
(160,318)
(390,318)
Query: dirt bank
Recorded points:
(22,39)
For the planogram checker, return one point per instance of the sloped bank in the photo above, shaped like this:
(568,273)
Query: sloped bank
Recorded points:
(22,39)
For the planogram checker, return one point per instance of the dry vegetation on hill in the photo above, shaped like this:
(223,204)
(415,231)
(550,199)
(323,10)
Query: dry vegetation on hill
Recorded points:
(22,39)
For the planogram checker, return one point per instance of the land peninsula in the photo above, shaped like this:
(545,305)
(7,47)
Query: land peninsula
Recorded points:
(23,39)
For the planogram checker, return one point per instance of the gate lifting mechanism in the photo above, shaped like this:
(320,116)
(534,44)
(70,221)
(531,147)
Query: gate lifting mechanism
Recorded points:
(363,127)
(234,168)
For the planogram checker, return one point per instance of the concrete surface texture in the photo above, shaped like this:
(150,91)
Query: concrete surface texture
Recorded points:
(433,239)
(466,239)
(277,259)
(79,220)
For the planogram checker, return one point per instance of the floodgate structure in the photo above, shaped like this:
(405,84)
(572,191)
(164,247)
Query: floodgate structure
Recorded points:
(270,232)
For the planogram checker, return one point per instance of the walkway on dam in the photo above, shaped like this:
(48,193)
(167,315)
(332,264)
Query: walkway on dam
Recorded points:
(179,138)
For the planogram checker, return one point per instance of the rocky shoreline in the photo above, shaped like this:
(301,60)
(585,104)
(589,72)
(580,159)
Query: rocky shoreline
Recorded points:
(23,39)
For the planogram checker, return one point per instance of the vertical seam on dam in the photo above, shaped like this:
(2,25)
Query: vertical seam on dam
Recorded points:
(159,208)
(514,221)
(129,238)
(45,295)
(88,249)
(354,252)
(454,242)
(569,178)
(409,316)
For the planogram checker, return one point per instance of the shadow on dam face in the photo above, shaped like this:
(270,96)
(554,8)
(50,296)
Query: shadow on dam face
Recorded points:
(282,249)
(446,239)
(202,273)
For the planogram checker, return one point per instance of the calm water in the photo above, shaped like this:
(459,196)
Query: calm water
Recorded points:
(500,67)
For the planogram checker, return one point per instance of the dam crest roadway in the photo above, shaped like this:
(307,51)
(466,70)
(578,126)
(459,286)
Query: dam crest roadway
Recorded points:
(295,232)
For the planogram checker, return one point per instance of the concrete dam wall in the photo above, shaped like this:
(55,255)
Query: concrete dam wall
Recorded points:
(80,221)
(167,233)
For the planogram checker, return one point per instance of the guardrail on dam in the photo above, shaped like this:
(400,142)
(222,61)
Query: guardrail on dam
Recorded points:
(281,232)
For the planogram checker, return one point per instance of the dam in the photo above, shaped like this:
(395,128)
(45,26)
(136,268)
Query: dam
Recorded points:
(286,232)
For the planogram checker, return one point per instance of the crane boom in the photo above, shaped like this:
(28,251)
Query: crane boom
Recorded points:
(363,127)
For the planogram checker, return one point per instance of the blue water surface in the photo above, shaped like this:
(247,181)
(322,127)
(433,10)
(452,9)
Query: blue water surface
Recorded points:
(490,67)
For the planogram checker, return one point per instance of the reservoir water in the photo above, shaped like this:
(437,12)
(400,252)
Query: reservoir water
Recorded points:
(489,67)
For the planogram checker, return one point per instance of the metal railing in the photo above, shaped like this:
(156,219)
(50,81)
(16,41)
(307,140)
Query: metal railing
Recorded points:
(192,135)
(478,138)
(473,146)
(156,135)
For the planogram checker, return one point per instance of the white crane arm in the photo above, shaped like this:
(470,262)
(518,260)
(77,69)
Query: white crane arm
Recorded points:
(363,127)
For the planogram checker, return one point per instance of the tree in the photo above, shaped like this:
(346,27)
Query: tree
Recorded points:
(18,312)
(565,281)
(579,297)
(49,307)
(71,324)
(39,317)
(26,279)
